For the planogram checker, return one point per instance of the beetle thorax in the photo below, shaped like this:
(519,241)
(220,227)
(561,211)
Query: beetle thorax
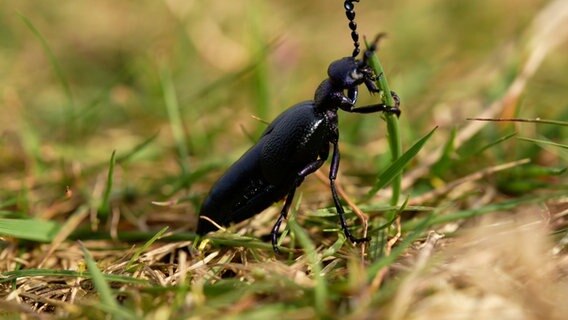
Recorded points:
(326,96)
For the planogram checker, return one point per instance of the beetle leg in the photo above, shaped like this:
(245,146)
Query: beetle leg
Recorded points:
(380,107)
(332,176)
(309,169)
(346,102)
(352,94)
(371,85)
(282,216)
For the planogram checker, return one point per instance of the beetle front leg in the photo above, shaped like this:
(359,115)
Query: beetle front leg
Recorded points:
(371,85)
(347,102)
(332,176)
(380,107)
(352,94)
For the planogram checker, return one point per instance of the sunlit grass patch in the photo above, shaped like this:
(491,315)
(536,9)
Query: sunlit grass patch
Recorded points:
(116,118)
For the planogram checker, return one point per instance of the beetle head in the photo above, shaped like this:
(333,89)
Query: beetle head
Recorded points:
(349,72)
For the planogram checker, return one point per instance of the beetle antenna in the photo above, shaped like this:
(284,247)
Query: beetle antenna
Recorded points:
(373,47)
(350,14)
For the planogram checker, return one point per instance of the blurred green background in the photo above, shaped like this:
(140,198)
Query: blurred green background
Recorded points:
(79,79)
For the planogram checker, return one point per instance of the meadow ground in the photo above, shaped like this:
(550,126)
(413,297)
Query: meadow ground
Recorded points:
(117,116)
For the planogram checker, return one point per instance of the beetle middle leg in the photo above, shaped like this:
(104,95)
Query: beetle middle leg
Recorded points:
(332,176)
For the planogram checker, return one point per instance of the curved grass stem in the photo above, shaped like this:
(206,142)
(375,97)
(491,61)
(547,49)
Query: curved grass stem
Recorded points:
(392,123)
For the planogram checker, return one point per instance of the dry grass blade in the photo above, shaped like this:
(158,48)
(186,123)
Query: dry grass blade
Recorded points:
(500,270)
(108,301)
(537,121)
(358,212)
(194,72)
(70,225)
(401,306)
(469,178)
(146,245)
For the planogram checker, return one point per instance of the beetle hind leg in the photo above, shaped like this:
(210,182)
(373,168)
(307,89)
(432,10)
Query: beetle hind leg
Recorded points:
(283,215)
(309,169)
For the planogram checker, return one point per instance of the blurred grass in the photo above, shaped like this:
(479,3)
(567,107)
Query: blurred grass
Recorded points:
(171,87)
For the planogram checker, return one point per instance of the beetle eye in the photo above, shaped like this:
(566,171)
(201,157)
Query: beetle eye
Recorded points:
(356,75)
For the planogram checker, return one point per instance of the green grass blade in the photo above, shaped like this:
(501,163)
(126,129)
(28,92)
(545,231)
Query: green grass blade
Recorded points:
(108,301)
(129,236)
(51,56)
(186,181)
(536,121)
(392,218)
(379,233)
(396,167)
(30,229)
(396,150)
(117,311)
(8,202)
(382,83)
(145,247)
(385,261)
(445,159)
(491,144)
(464,214)
(232,240)
(393,128)
(321,294)
(545,142)
(174,115)
(104,208)
(260,74)
(139,147)
(335,247)
(99,281)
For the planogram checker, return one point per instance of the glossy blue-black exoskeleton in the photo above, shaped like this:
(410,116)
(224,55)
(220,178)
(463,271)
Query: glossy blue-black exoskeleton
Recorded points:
(294,145)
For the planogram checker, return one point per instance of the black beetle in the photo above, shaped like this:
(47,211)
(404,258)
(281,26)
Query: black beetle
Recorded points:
(293,146)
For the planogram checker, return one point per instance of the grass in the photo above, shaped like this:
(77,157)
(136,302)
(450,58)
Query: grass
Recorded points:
(118,117)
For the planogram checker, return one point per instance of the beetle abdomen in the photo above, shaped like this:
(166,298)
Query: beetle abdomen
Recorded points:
(240,193)
(269,170)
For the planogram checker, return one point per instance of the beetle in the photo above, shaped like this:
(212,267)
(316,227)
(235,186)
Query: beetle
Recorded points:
(294,145)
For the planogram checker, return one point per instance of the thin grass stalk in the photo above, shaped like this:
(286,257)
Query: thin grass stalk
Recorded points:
(175,118)
(393,130)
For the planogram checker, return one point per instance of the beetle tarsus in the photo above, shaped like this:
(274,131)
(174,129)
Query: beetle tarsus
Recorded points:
(395,110)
